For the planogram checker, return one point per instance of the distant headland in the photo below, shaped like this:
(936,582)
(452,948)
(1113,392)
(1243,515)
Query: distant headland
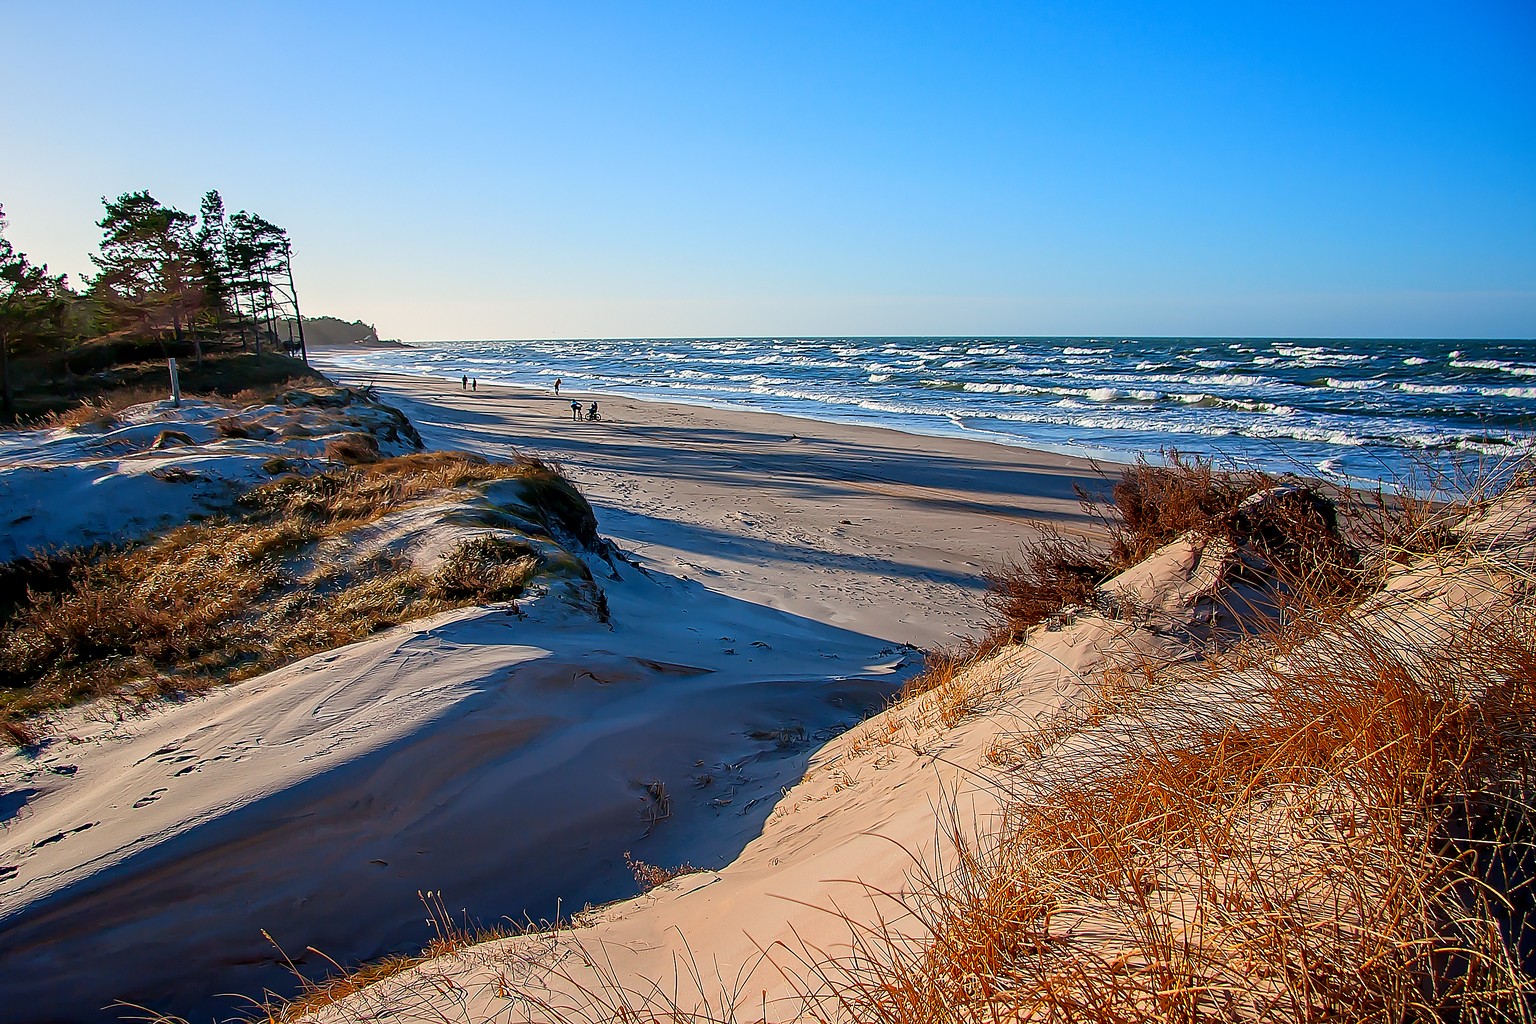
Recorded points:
(330,331)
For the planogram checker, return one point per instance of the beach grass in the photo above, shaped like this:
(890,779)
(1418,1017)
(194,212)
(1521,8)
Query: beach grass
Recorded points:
(1329,820)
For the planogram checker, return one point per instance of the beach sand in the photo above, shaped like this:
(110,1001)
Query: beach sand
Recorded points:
(880,531)
(781,566)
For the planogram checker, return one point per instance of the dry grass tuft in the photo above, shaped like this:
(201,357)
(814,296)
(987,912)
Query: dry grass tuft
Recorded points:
(353,450)
(99,414)
(449,935)
(1290,528)
(1054,572)
(649,876)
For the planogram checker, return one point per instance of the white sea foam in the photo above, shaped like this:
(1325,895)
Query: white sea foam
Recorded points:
(1480,364)
(993,388)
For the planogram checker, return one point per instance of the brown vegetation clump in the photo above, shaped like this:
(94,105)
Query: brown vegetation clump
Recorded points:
(649,876)
(230,598)
(1054,572)
(1291,528)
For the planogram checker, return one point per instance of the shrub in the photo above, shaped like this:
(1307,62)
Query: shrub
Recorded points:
(1053,572)
(353,449)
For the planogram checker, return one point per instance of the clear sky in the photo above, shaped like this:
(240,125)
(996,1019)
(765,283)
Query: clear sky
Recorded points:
(570,169)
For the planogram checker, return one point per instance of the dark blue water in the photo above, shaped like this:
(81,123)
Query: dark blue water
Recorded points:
(1356,408)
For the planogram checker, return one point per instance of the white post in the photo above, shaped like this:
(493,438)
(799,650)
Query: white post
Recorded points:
(175,384)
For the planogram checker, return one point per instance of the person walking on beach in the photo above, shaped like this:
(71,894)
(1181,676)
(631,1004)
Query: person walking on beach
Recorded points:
(557,387)
(464,382)
(474,384)
(575,412)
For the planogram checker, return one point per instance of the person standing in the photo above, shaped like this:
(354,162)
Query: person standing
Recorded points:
(557,387)
(575,412)
(464,382)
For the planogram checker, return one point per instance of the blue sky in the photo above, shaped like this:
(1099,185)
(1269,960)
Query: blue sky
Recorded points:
(508,170)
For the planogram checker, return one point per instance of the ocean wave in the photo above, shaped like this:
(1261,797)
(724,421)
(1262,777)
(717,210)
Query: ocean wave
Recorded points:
(989,388)
(1492,364)
(1432,389)
(1130,395)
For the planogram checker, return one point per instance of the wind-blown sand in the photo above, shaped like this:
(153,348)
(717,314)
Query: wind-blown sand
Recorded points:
(511,761)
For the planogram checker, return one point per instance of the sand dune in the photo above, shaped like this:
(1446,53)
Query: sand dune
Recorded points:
(509,759)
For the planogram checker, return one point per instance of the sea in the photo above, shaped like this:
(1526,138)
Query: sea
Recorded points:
(1353,409)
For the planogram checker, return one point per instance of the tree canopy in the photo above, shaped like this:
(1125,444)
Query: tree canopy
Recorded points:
(31,307)
(176,281)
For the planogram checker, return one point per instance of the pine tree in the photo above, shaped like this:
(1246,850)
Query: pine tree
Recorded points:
(150,276)
(31,303)
(209,251)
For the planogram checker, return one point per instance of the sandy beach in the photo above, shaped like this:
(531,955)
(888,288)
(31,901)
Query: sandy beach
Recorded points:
(781,575)
(880,531)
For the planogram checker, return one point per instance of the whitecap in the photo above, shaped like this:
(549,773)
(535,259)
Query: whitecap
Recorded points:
(1432,389)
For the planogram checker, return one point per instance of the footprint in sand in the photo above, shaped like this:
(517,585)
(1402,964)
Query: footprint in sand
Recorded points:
(57,836)
(145,801)
(8,871)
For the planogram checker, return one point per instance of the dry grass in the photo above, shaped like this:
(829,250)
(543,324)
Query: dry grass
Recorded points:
(449,935)
(1337,830)
(1293,529)
(227,599)
(1054,572)
(649,876)
(100,413)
